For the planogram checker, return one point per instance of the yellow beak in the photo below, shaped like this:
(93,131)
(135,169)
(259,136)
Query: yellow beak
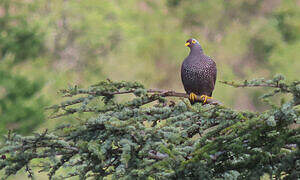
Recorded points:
(187,44)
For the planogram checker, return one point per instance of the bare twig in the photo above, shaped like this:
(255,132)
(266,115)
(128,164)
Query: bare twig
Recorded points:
(163,93)
(157,155)
(250,85)
(168,93)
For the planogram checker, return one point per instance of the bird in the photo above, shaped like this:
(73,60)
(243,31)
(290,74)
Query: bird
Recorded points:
(198,73)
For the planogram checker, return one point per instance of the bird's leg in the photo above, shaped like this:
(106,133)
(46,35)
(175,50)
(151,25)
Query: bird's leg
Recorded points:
(193,97)
(205,98)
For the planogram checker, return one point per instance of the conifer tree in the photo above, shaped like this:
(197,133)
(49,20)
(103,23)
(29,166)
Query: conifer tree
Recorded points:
(151,137)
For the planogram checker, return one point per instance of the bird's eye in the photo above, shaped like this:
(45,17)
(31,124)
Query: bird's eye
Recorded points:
(193,41)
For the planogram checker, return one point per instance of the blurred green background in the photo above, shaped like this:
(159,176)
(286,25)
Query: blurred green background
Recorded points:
(47,45)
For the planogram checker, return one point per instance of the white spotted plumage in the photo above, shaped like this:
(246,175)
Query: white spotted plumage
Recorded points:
(198,72)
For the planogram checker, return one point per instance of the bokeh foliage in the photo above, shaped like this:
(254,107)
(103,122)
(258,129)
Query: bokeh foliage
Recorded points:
(18,37)
(21,108)
(149,137)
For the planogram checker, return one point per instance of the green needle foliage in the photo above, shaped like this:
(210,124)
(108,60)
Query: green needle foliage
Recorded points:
(148,137)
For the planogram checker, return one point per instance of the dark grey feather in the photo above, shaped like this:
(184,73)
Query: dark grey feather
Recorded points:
(198,72)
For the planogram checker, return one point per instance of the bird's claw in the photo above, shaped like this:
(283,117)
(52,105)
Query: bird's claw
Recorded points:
(193,97)
(205,98)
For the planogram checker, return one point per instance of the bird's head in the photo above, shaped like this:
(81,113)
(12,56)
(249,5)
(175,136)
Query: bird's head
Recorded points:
(192,43)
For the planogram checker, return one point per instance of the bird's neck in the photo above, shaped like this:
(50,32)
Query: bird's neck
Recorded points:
(196,51)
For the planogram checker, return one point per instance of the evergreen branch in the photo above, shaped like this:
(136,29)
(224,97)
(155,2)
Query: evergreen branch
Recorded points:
(162,93)
(276,82)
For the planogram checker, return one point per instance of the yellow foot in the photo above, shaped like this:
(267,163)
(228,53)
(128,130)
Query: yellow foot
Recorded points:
(193,97)
(205,98)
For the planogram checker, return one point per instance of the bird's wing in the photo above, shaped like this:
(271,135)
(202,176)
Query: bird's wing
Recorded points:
(215,72)
(213,75)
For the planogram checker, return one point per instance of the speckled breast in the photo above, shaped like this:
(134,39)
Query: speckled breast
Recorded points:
(196,76)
